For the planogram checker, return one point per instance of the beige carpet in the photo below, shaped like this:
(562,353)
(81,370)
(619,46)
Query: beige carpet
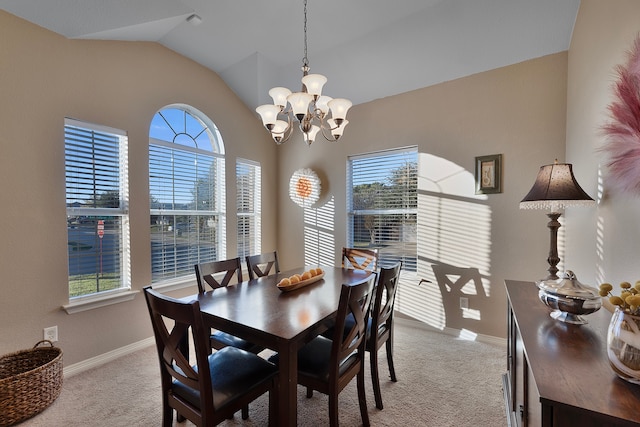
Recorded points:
(442,381)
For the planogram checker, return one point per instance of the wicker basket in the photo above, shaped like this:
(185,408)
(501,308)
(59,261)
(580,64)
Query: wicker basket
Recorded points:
(30,380)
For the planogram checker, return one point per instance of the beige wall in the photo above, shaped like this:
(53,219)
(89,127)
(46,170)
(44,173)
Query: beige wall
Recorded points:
(517,111)
(604,242)
(45,77)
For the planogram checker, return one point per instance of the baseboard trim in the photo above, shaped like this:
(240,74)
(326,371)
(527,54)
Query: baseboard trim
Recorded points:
(96,361)
(487,339)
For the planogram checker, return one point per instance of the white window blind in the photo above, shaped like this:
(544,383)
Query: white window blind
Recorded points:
(248,184)
(97,193)
(187,194)
(382,204)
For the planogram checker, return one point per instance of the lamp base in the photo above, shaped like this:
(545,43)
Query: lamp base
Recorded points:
(563,316)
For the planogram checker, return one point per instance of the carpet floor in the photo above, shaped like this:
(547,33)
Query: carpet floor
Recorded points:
(442,381)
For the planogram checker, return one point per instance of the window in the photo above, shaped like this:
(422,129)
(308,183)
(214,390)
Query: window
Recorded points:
(187,196)
(382,204)
(248,201)
(97,194)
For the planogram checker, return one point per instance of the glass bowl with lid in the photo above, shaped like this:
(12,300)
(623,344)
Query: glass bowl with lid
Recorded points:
(568,298)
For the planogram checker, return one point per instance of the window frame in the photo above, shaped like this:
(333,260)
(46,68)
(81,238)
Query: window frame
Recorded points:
(77,183)
(171,209)
(254,215)
(409,258)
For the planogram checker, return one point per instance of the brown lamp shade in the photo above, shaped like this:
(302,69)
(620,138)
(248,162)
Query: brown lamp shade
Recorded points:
(555,188)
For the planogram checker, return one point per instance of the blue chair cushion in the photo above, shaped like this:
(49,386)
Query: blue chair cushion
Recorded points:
(314,359)
(233,372)
(349,321)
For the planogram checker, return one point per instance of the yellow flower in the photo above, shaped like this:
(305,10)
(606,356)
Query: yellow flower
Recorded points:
(629,298)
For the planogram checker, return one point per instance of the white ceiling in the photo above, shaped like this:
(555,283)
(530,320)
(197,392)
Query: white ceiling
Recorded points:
(368,49)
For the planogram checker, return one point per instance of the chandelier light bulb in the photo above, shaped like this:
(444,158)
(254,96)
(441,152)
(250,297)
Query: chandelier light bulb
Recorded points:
(300,104)
(337,130)
(314,84)
(278,131)
(339,108)
(310,136)
(269,114)
(322,104)
(280,127)
(279,96)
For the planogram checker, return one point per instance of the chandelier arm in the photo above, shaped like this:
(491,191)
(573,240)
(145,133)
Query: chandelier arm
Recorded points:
(316,112)
(329,138)
(287,132)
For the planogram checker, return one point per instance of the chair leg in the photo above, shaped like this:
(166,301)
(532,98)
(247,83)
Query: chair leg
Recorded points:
(273,405)
(362,399)
(392,370)
(375,378)
(333,410)
(309,392)
(245,412)
(167,416)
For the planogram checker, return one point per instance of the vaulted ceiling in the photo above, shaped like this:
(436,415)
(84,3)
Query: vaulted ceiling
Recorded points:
(368,49)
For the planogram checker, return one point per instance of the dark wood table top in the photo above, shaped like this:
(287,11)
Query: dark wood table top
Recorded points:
(259,305)
(569,362)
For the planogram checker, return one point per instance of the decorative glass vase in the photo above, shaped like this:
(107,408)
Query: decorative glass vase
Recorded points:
(623,345)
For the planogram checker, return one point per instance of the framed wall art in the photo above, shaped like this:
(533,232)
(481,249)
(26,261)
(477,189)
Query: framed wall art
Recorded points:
(489,174)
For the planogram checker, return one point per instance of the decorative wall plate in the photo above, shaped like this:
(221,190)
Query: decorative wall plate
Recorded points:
(304,187)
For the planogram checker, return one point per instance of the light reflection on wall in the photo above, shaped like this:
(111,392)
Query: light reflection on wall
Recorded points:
(319,234)
(454,228)
(600,275)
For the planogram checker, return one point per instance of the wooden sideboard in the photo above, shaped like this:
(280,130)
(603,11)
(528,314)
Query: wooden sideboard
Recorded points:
(558,374)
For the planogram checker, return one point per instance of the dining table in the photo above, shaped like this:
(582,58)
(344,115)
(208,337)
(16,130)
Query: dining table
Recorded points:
(283,321)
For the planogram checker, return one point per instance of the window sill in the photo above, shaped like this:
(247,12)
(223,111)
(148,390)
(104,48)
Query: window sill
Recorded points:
(175,284)
(96,301)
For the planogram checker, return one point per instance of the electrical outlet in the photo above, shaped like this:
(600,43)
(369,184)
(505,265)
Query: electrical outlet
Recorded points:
(51,333)
(464,302)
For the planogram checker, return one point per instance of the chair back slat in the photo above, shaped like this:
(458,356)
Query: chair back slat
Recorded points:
(206,273)
(360,259)
(385,296)
(355,300)
(262,264)
(184,319)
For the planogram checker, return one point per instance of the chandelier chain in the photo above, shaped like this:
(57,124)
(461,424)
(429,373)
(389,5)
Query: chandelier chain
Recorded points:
(305,60)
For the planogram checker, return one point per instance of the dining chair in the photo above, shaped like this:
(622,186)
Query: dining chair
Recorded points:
(329,365)
(360,259)
(380,325)
(380,328)
(206,275)
(220,383)
(262,264)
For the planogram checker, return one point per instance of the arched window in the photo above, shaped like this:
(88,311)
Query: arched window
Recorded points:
(186,191)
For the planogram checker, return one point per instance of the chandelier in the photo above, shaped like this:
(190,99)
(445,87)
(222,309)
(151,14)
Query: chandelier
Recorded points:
(316,113)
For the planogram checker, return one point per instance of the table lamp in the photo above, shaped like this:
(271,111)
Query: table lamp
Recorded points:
(556,188)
